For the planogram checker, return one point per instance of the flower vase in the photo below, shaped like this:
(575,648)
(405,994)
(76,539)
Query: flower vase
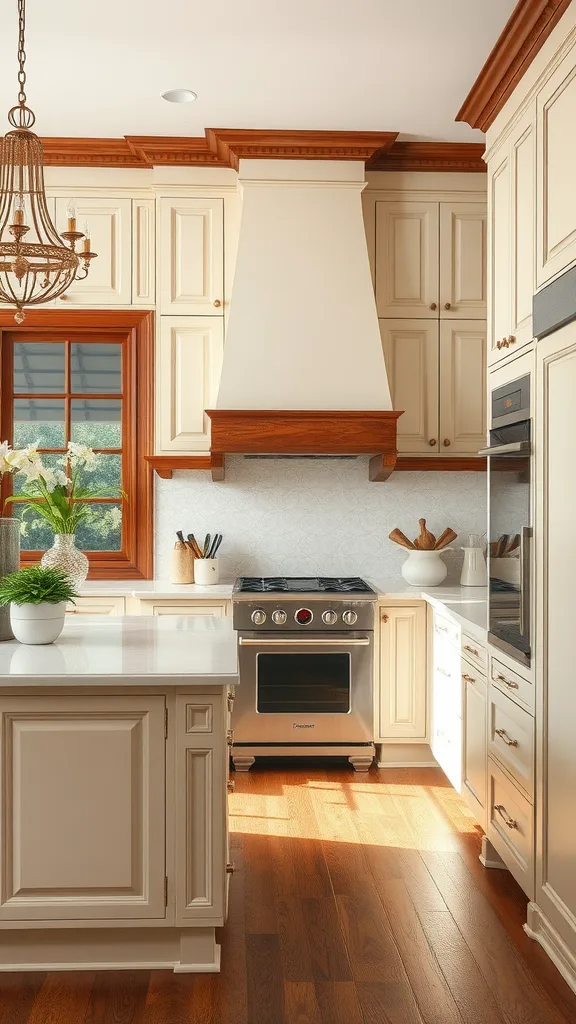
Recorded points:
(9,562)
(66,556)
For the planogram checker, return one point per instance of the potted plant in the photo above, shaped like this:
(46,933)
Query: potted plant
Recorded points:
(37,597)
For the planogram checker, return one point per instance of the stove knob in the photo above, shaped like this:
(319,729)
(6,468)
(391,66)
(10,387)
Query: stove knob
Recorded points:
(329,617)
(258,616)
(349,617)
(279,617)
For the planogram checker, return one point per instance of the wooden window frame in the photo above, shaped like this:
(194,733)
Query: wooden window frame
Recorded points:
(135,560)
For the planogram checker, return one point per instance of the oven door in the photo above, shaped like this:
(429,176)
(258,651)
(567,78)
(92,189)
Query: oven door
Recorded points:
(316,689)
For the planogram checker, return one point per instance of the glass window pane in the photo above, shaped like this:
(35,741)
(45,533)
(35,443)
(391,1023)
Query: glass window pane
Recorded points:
(19,480)
(102,528)
(38,368)
(97,422)
(39,420)
(105,480)
(96,368)
(38,536)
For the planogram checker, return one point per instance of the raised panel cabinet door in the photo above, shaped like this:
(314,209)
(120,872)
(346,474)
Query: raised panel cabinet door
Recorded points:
(523,262)
(556,201)
(191,256)
(82,815)
(97,606)
(462,387)
(109,281)
(184,608)
(463,261)
(143,252)
(189,366)
(499,254)
(411,355)
(201,821)
(474,752)
(407,253)
(401,705)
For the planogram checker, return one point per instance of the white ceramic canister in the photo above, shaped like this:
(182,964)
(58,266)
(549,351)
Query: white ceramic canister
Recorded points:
(474,568)
(37,623)
(206,571)
(424,568)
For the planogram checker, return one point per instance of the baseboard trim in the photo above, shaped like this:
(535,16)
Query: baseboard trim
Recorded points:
(539,928)
(489,857)
(406,764)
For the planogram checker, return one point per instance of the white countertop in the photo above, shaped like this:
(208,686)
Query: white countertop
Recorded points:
(127,650)
(150,589)
(467,605)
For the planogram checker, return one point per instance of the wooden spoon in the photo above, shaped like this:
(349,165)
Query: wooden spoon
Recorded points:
(426,540)
(400,538)
(445,539)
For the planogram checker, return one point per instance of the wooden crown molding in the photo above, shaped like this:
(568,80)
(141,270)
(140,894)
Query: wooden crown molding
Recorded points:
(430,156)
(221,147)
(524,34)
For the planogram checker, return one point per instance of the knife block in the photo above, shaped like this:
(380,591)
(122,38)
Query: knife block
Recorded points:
(181,564)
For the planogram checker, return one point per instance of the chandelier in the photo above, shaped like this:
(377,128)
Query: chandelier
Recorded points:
(36,263)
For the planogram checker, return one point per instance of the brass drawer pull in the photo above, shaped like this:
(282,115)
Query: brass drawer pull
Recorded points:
(467,678)
(510,822)
(509,682)
(443,672)
(504,735)
(441,629)
(472,650)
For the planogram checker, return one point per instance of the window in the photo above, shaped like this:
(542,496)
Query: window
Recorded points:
(86,377)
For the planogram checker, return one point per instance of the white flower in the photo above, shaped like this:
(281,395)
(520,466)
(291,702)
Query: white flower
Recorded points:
(80,455)
(27,461)
(115,515)
(54,478)
(5,466)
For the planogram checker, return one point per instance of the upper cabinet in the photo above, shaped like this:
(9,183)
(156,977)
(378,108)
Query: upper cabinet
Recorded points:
(109,282)
(191,237)
(430,259)
(556,113)
(188,365)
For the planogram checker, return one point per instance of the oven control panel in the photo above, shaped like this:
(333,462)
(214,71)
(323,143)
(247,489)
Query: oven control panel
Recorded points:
(290,616)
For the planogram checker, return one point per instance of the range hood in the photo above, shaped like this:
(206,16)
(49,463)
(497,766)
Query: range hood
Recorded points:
(303,370)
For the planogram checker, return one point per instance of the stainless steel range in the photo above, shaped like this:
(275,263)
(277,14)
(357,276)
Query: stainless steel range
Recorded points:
(306,648)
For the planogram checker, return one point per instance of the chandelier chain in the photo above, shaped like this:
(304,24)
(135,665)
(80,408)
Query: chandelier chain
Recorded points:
(21,51)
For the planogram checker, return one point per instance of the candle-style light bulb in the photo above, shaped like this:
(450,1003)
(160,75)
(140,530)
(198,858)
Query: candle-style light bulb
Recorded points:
(86,237)
(71,213)
(18,210)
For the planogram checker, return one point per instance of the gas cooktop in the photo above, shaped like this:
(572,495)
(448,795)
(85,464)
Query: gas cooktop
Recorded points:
(301,585)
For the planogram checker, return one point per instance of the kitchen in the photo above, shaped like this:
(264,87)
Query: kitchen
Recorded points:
(424,347)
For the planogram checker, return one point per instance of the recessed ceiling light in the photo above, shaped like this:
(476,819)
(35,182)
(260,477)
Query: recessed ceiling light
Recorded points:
(179,96)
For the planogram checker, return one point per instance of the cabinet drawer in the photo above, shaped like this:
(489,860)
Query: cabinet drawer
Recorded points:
(97,606)
(446,690)
(445,629)
(510,826)
(511,738)
(475,651)
(519,689)
(446,743)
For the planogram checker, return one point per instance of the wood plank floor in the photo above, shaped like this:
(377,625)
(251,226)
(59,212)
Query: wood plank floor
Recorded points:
(357,899)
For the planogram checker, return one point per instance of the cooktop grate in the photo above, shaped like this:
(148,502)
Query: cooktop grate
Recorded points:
(302,585)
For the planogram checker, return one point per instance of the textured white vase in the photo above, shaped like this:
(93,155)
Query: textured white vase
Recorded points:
(424,569)
(37,623)
(65,555)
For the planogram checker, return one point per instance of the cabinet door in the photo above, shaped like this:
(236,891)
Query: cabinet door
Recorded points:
(556,202)
(191,256)
(97,606)
(109,280)
(463,261)
(401,705)
(499,254)
(523,262)
(217,608)
(82,808)
(407,259)
(189,366)
(446,695)
(143,252)
(462,386)
(201,832)
(474,753)
(411,354)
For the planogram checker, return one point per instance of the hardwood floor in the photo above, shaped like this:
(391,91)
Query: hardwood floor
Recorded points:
(357,899)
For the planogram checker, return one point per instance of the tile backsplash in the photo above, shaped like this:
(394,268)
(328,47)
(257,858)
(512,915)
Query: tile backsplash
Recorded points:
(323,516)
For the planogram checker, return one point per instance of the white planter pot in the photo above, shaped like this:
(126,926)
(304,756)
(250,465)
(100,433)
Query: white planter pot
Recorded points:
(424,569)
(206,571)
(37,623)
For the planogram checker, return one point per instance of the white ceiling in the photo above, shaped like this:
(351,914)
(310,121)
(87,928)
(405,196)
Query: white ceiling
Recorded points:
(97,68)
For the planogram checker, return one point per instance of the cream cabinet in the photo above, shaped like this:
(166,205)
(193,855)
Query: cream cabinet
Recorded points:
(143,252)
(511,239)
(430,259)
(171,606)
(446,698)
(109,281)
(436,372)
(189,363)
(401,689)
(474,753)
(82,808)
(556,114)
(97,606)
(191,253)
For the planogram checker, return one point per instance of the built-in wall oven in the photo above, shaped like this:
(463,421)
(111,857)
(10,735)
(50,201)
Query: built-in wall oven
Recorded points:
(510,520)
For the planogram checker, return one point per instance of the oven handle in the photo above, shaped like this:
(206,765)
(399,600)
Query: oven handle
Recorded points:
(249,642)
(514,448)
(525,538)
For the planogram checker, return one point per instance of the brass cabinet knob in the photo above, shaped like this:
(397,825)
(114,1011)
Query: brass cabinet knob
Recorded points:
(498,344)
(384,617)
(433,305)
(432,442)
(217,303)
(447,305)
(230,737)
(446,442)
(230,785)
(63,298)
(511,340)
(230,869)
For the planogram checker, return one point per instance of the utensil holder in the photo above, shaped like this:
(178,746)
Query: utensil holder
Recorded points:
(181,565)
(424,568)
(206,571)
(9,562)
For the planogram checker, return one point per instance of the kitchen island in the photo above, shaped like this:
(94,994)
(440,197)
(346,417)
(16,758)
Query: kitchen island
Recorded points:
(113,803)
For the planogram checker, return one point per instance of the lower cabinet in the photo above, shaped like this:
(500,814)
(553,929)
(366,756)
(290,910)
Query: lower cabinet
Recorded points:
(510,826)
(401,687)
(446,695)
(97,606)
(474,741)
(181,607)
